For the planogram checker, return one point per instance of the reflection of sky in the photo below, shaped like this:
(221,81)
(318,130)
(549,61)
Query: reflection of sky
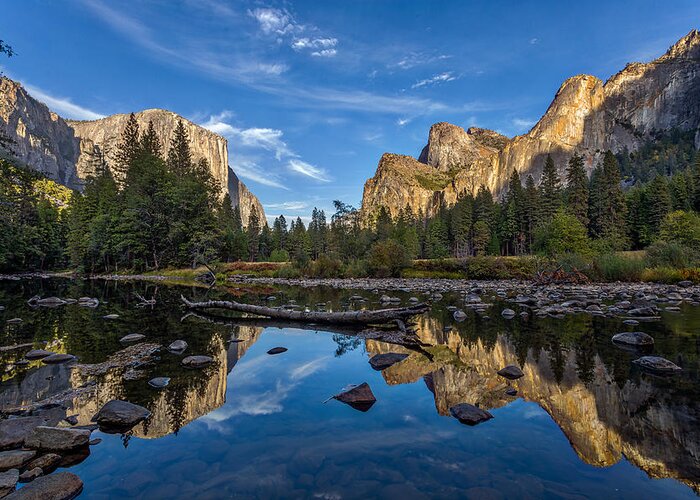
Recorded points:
(274,436)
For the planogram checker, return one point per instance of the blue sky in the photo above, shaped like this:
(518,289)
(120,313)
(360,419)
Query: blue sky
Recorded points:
(311,93)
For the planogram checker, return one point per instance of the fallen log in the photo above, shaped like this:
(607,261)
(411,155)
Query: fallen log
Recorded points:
(363,317)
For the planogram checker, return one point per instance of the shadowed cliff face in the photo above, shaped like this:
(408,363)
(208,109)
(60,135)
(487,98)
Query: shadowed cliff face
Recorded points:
(651,423)
(586,117)
(68,151)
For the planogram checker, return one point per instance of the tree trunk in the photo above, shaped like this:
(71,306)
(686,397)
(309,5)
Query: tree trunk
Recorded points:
(342,318)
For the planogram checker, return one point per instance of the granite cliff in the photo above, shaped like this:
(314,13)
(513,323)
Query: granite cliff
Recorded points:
(67,151)
(586,117)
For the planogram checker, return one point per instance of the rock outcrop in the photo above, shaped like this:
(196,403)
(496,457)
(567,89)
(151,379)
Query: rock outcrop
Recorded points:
(68,151)
(586,117)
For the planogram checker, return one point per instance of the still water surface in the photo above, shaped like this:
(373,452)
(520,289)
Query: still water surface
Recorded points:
(585,423)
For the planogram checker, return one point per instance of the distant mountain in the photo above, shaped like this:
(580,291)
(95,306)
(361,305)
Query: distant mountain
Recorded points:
(586,117)
(67,151)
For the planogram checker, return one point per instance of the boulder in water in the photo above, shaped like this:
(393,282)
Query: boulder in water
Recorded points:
(132,337)
(57,438)
(459,315)
(511,372)
(159,382)
(359,397)
(470,414)
(657,364)
(8,481)
(37,354)
(111,316)
(47,463)
(277,350)
(120,415)
(30,475)
(640,339)
(61,485)
(55,359)
(196,361)
(382,361)
(13,431)
(15,459)
(508,313)
(178,346)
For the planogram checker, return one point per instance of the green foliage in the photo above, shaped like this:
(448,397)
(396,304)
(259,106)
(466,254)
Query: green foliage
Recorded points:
(436,181)
(550,195)
(324,267)
(564,233)
(681,227)
(387,258)
(279,255)
(616,267)
(672,254)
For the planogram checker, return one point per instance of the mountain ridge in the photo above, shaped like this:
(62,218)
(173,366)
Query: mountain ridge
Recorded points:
(586,116)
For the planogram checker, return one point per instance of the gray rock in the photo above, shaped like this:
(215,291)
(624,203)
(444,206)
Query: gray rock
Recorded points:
(459,315)
(508,313)
(55,359)
(8,481)
(37,354)
(685,284)
(178,346)
(383,361)
(643,311)
(633,338)
(511,372)
(14,321)
(110,316)
(132,337)
(120,415)
(47,463)
(57,438)
(50,302)
(15,459)
(511,391)
(132,374)
(657,364)
(13,431)
(58,486)
(196,361)
(30,475)
(470,414)
(159,382)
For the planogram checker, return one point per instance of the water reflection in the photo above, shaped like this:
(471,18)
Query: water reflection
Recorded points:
(606,409)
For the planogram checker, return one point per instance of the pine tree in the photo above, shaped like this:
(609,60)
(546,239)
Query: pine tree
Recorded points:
(253,232)
(532,210)
(659,202)
(150,144)
(128,150)
(383,226)
(607,207)
(179,155)
(279,233)
(550,196)
(462,226)
(577,189)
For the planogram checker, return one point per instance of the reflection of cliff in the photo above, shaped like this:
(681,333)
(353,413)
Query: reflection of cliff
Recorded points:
(655,428)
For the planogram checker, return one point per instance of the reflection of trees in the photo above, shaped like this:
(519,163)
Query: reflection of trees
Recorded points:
(345,344)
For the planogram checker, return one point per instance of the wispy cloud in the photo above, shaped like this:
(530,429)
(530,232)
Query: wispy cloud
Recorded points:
(288,205)
(308,170)
(275,21)
(282,25)
(63,105)
(403,121)
(249,169)
(523,124)
(447,76)
(413,59)
(534,41)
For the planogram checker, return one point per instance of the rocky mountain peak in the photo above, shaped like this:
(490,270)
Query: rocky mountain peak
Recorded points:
(451,148)
(687,47)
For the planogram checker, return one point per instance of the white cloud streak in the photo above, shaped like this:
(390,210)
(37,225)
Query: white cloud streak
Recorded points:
(447,76)
(63,106)
(308,170)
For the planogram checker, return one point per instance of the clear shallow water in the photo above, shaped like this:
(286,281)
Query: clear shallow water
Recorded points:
(585,423)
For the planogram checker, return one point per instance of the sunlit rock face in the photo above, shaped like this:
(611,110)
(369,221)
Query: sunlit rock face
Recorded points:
(68,151)
(586,117)
(654,428)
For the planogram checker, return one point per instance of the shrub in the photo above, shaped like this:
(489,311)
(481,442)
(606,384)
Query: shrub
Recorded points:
(279,256)
(616,267)
(356,269)
(671,254)
(387,258)
(563,234)
(288,272)
(324,267)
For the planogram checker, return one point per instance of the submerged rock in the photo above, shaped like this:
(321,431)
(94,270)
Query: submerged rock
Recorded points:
(14,321)
(383,361)
(58,486)
(470,414)
(196,361)
(55,359)
(634,339)
(57,438)
(511,391)
(120,415)
(178,346)
(159,382)
(508,313)
(110,316)
(657,364)
(37,354)
(277,350)
(15,459)
(359,397)
(511,372)
(132,337)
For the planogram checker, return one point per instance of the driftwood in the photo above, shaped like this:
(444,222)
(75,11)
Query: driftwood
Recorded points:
(561,277)
(364,317)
